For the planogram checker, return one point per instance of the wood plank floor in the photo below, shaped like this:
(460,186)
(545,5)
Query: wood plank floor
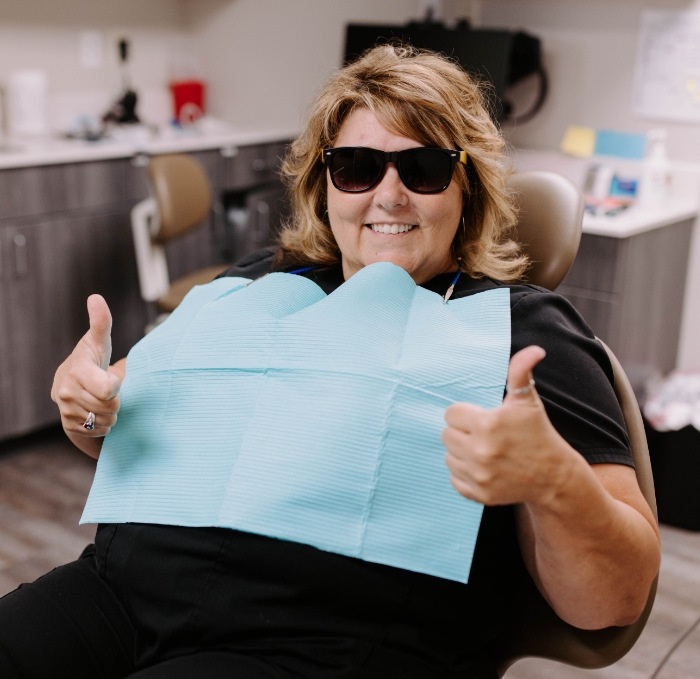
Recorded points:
(44,482)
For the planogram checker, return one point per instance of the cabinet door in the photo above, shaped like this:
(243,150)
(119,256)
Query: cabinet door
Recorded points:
(249,166)
(50,267)
(100,250)
(31,335)
(254,222)
(10,241)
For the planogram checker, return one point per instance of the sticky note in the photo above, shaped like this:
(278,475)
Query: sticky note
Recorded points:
(620,144)
(579,141)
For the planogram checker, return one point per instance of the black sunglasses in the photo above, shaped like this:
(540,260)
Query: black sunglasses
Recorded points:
(422,170)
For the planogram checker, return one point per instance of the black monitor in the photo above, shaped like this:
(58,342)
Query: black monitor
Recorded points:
(500,57)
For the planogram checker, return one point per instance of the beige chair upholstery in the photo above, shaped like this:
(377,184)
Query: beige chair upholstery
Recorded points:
(180,201)
(551,214)
(549,224)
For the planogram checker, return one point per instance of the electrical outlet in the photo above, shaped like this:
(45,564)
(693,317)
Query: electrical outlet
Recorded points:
(434,8)
(92,47)
(449,11)
(112,39)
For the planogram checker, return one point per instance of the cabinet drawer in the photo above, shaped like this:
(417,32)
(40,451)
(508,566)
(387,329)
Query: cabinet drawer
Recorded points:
(28,191)
(248,166)
(94,184)
(595,265)
(31,191)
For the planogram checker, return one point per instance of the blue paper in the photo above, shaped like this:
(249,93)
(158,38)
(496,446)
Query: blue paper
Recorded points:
(620,144)
(276,409)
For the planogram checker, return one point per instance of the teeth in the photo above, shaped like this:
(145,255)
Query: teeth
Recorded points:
(391,228)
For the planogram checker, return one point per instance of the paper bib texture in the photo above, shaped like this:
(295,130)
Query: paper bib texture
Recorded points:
(276,409)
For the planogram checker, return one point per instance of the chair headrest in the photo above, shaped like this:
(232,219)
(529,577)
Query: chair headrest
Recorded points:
(182,191)
(549,224)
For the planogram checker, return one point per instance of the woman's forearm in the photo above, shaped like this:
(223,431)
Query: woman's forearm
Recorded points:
(593,547)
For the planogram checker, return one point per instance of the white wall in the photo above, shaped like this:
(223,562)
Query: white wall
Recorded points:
(265,59)
(262,59)
(590,50)
(46,35)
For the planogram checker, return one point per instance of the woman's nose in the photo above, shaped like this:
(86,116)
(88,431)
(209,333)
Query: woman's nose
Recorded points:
(390,193)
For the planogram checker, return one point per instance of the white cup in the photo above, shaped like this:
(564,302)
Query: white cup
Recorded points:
(26,103)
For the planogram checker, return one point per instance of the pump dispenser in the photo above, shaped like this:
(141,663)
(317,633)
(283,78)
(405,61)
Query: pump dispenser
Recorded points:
(655,181)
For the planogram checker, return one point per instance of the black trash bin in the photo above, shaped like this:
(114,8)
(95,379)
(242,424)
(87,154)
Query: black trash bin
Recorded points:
(675,464)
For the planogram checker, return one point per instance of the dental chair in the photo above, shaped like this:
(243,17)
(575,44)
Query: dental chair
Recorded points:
(180,202)
(549,229)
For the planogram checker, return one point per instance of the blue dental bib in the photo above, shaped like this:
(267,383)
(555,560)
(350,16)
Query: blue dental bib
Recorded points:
(273,408)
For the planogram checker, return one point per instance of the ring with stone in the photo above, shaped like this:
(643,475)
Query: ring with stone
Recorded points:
(89,423)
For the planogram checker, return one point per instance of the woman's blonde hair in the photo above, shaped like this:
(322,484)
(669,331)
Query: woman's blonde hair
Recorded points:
(426,97)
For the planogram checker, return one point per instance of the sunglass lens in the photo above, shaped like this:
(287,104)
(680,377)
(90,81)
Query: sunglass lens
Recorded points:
(355,169)
(425,170)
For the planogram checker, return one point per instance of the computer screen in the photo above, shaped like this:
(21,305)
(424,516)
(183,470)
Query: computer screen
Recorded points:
(498,57)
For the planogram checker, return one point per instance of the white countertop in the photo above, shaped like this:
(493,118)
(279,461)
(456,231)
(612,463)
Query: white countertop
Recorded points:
(54,150)
(637,220)
(683,204)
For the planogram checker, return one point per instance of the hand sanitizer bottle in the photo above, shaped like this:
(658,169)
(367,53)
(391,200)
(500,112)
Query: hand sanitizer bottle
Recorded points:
(655,180)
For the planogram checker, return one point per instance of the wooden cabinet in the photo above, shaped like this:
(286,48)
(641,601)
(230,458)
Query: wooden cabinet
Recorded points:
(68,248)
(23,373)
(252,219)
(630,290)
(252,199)
(65,233)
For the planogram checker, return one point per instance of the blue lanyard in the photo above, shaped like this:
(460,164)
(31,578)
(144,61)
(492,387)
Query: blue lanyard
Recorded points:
(451,289)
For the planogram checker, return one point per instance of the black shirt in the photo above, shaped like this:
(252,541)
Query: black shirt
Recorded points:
(318,612)
(575,379)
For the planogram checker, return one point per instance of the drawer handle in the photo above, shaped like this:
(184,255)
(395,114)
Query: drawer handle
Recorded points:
(229,151)
(21,262)
(259,165)
(262,226)
(140,160)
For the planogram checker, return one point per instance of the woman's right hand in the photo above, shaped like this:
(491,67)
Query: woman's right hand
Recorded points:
(85,382)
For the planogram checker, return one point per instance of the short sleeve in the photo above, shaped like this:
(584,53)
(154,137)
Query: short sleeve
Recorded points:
(575,378)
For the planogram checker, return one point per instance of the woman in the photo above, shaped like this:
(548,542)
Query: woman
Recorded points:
(400,169)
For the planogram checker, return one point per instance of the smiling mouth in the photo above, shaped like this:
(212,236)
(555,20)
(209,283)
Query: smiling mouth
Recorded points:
(391,228)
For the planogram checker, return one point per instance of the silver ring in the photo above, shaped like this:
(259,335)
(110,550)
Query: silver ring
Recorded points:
(89,423)
(521,391)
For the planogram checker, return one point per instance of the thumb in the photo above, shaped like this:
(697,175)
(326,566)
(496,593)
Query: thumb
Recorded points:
(520,382)
(100,334)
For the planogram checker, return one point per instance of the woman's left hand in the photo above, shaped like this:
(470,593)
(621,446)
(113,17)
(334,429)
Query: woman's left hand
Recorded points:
(509,454)
(587,535)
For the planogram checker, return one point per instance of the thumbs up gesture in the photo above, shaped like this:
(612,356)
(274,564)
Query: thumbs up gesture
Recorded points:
(509,454)
(85,388)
